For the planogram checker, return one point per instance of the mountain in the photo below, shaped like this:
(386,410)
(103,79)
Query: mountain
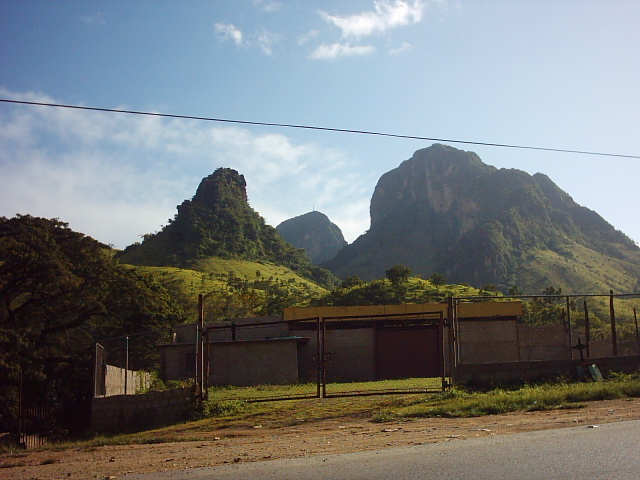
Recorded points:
(315,233)
(218,222)
(446,211)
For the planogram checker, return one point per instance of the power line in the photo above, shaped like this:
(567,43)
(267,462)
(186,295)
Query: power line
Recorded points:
(325,129)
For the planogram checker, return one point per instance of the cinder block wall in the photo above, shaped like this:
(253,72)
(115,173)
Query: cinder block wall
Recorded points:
(487,374)
(137,412)
(543,342)
(253,363)
(488,341)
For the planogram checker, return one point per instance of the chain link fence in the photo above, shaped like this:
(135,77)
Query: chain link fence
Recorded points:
(550,327)
(133,364)
(260,359)
(378,354)
(257,359)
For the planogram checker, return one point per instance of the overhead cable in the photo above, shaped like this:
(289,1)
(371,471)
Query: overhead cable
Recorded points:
(326,129)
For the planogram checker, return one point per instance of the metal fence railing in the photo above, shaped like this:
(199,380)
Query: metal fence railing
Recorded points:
(556,326)
(383,354)
(269,358)
(260,359)
(132,364)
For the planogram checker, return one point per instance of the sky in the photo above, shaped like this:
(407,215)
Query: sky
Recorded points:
(552,74)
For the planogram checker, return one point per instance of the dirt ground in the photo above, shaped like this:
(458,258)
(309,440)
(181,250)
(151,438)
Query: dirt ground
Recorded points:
(257,443)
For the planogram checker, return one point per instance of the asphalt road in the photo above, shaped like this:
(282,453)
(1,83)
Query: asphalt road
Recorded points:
(609,451)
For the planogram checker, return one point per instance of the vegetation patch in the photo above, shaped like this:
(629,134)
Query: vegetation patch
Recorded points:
(461,403)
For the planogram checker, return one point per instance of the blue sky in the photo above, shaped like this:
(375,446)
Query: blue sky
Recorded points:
(557,74)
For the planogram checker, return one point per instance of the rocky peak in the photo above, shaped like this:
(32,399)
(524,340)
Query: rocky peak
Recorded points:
(444,210)
(223,184)
(432,178)
(315,233)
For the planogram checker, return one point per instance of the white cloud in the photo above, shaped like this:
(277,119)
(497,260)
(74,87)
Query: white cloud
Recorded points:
(227,31)
(406,46)
(385,16)
(94,20)
(118,176)
(307,37)
(267,5)
(264,40)
(335,50)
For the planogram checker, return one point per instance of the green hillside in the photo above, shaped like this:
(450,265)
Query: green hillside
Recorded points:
(578,269)
(218,222)
(234,288)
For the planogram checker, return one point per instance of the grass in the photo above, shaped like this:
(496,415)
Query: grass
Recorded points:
(460,403)
(262,392)
(222,413)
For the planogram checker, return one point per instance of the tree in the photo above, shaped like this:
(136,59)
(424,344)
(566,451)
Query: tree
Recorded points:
(489,288)
(398,274)
(551,291)
(60,291)
(514,291)
(352,281)
(437,279)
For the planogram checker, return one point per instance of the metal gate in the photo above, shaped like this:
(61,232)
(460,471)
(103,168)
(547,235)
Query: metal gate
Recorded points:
(316,356)
(377,354)
(35,426)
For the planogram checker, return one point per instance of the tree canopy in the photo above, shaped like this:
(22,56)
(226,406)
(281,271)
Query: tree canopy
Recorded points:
(398,274)
(60,291)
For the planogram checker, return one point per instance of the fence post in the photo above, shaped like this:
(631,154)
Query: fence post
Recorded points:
(323,358)
(569,326)
(318,357)
(612,313)
(205,367)
(20,409)
(587,332)
(126,364)
(199,328)
(635,319)
(452,339)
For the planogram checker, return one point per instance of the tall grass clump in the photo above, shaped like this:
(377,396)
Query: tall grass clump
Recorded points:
(461,403)
(219,408)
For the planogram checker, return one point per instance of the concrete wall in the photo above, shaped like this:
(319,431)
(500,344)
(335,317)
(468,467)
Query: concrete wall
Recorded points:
(177,361)
(497,373)
(116,379)
(603,347)
(543,342)
(488,341)
(137,412)
(499,341)
(187,333)
(257,362)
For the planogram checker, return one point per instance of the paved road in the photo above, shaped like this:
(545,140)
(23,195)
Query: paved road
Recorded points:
(609,451)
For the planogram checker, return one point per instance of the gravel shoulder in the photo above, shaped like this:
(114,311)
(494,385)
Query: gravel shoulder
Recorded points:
(257,443)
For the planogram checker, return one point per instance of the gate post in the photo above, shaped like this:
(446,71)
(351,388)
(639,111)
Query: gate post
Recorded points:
(612,313)
(319,356)
(199,364)
(452,339)
(322,363)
